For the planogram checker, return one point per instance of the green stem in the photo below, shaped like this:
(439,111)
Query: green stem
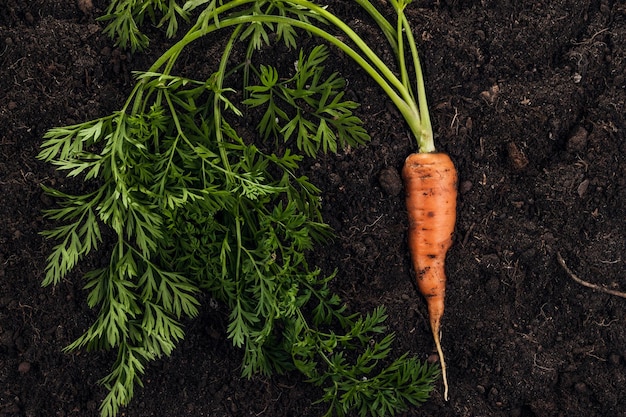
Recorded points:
(219,84)
(422,129)
(415,114)
(382,22)
(425,139)
(358,41)
(407,111)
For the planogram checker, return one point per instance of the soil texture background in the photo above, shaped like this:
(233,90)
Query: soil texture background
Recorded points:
(529,99)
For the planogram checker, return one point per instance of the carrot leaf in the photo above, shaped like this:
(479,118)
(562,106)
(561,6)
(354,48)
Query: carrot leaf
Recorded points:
(307,108)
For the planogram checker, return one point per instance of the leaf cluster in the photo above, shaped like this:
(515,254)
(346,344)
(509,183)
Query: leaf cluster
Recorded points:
(307,107)
(126,17)
(367,384)
(191,214)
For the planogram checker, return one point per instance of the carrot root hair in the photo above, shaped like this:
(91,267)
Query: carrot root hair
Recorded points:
(442,361)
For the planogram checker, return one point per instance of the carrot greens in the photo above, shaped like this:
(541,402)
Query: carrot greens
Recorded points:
(183,205)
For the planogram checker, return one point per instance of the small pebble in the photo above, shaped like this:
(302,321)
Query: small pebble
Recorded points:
(491,95)
(23,368)
(580,387)
(578,141)
(334,178)
(465,187)
(85,6)
(582,188)
(390,181)
(433,358)
(517,157)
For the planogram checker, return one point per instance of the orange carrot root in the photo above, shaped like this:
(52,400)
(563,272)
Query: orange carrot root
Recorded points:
(430,182)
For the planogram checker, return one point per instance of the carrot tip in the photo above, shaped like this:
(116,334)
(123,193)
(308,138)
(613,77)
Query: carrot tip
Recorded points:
(442,360)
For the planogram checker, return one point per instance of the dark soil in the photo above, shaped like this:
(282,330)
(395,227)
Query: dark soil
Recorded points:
(529,98)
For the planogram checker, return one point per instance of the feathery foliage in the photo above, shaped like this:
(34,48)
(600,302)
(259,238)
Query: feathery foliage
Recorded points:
(195,208)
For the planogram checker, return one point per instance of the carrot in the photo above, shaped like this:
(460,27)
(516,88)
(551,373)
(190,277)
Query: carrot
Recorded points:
(430,182)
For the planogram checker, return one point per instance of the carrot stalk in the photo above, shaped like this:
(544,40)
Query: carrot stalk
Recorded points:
(430,181)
